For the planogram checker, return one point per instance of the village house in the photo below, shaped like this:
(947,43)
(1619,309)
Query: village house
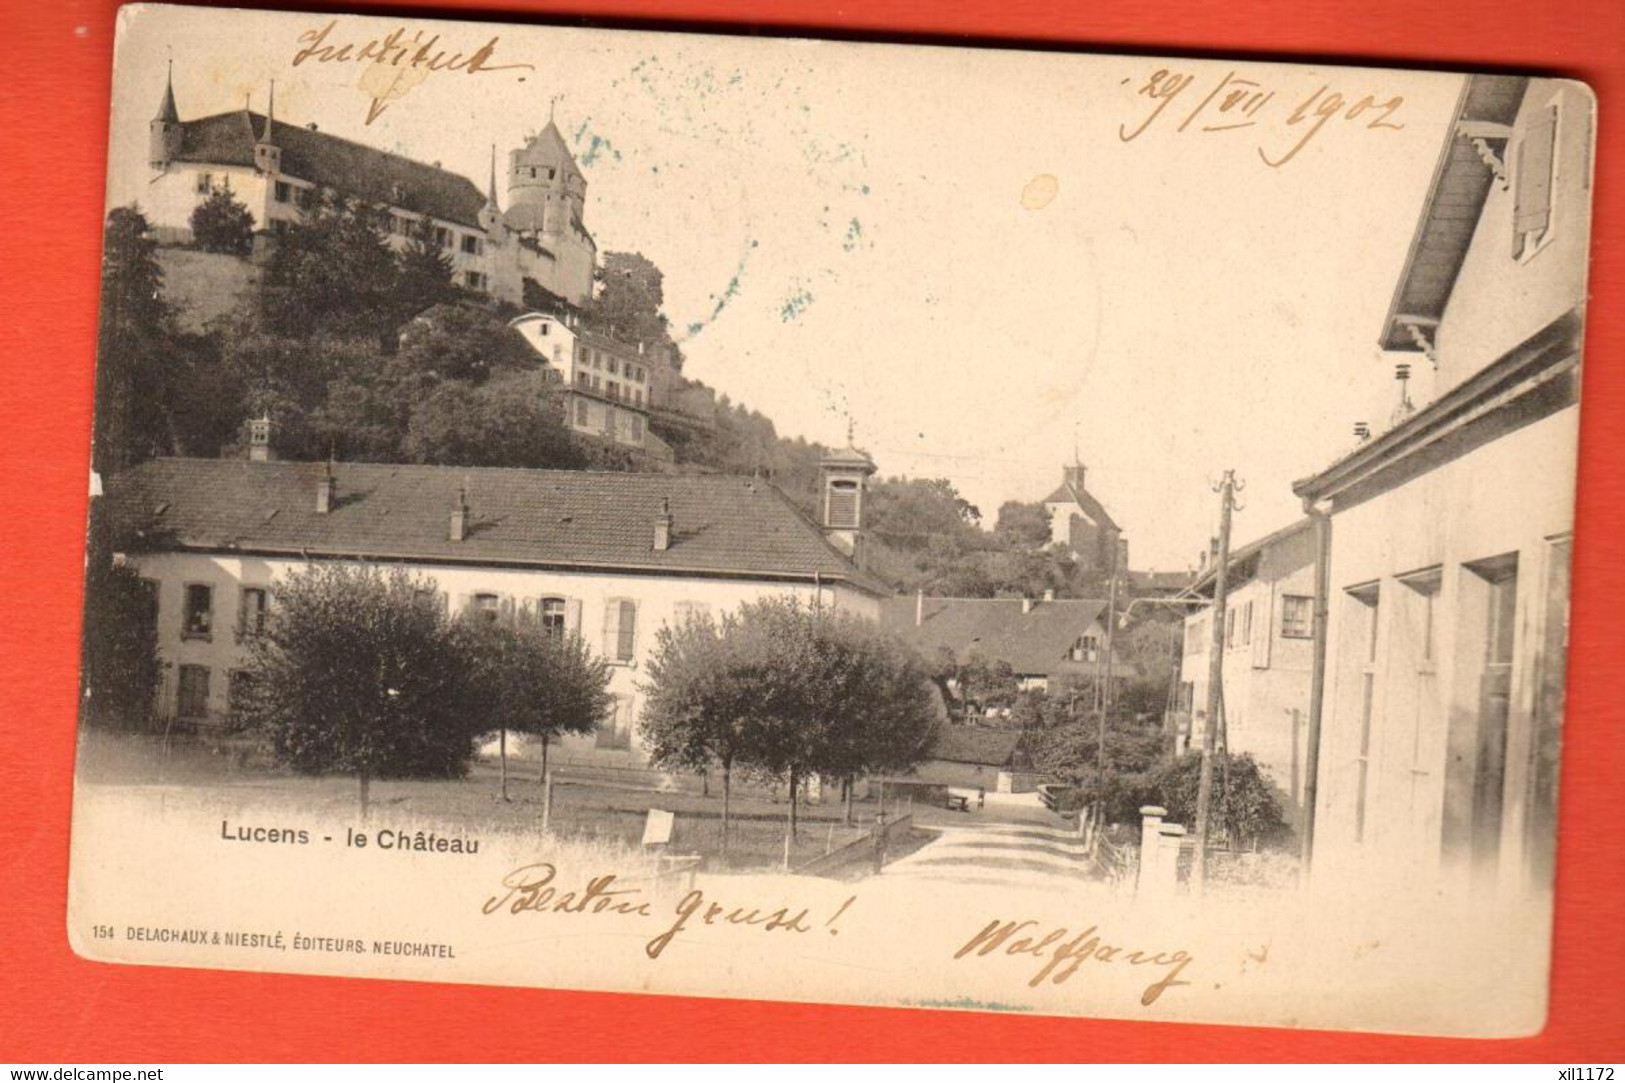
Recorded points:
(278,170)
(1045,641)
(607,556)
(1268,655)
(1446,537)
(606,383)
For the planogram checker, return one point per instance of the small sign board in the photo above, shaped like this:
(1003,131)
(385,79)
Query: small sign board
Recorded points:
(657,829)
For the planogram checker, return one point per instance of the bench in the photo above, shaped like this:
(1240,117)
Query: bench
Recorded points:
(959,800)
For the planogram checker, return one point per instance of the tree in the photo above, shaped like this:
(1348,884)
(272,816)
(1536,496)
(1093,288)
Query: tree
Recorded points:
(133,336)
(359,671)
(423,273)
(461,342)
(334,271)
(1024,524)
(631,291)
(700,692)
(1069,752)
(120,670)
(534,683)
(987,683)
(223,223)
(505,423)
(1244,808)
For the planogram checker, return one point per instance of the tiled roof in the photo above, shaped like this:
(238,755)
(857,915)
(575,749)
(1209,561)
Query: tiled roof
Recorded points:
(723,525)
(1066,493)
(995,628)
(1461,183)
(352,168)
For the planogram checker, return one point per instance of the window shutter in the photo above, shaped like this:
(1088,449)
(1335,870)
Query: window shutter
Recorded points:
(1263,627)
(572,616)
(465,605)
(612,627)
(507,610)
(530,612)
(627,626)
(1532,201)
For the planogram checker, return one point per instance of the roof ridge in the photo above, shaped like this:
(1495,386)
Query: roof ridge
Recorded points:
(287,124)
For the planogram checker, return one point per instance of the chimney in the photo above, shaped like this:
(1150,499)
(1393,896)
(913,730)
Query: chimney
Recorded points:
(919,607)
(1049,594)
(663,525)
(459,516)
(324,490)
(259,439)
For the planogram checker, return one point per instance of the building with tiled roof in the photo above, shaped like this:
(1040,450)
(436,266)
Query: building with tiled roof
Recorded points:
(1043,640)
(278,170)
(607,556)
(1081,522)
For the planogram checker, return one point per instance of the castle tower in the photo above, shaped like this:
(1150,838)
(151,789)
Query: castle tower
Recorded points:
(164,133)
(267,155)
(547,195)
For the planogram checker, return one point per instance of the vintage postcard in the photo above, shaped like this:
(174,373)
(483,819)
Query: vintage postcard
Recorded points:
(874,524)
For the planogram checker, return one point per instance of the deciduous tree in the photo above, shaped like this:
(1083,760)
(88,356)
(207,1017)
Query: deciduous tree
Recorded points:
(359,671)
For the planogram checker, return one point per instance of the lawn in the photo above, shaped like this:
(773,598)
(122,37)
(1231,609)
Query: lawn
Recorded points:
(588,810)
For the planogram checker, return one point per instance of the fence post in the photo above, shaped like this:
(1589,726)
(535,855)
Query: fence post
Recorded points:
(547,801)
(1150,822)
(880,840)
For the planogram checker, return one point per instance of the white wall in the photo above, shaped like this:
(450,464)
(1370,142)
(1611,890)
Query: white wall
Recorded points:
(589,592)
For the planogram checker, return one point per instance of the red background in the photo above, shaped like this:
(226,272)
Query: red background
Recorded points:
(55,65)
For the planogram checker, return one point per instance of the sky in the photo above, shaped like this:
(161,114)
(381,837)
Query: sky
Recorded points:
(956,250)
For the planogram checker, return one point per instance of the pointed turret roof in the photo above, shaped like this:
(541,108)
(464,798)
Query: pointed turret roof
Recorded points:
(166,109)
(270,113)
(548,147)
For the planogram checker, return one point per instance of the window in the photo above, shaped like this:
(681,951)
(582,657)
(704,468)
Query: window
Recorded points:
(443,237)
(613,367)
(1297,616)
(613,389)
(197,619)
(205,183)
(471,244)
(1247,623)
(842,509)
(302,196)
(581,411)
(620,630)
(475,280)
(283,192)
(683,612)
(487,607)
(551,617)
(251,611)
(1534,172)
(1229,629)
(192,699)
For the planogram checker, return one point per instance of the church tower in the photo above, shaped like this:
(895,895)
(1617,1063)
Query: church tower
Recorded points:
(164,133)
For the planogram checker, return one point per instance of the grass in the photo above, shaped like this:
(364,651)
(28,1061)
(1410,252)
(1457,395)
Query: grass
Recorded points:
(590,812)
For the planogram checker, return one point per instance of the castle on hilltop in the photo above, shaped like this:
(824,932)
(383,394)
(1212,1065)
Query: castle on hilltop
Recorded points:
(278,169)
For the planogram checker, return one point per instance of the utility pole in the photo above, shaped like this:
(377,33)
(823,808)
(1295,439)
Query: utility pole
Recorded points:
(1226,488)
(1104,696)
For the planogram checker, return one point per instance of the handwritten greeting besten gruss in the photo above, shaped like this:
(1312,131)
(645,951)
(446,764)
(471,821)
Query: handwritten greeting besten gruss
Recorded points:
(1237,102)
(1060,952)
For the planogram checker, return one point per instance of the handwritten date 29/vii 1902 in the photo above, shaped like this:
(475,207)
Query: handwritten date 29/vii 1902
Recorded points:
(1236,102)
